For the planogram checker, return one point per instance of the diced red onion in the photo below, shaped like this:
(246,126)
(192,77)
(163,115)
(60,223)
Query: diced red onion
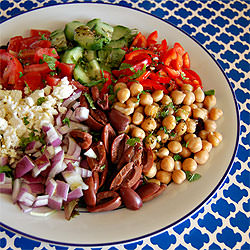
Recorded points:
(77,104)
(41,200)
(55,202)
(72,98)
(72,125)
(24,208)
(81,114)
(6,188)
(41,164)
(74,149)
(69,113)
(51,187)
(2,178)
(16,189)
(32,147)
(37,154)
(90,153)
(62,189)
(4,160)
(85,173)
(74,179)
(57,164)
(25,197)
(75,194)
(28,178)
(36,188)
(23,166)
(70,167)
(59,120)
(53,138)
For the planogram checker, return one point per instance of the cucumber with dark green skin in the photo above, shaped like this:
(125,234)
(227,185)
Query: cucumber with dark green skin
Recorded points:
(121,43)
(58,40)
(72,56)
(94,70)
(69,29)
(120,32)
(93,22)
(80,74)
(104,30)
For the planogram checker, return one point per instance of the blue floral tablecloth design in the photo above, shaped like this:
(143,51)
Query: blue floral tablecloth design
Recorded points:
(223,28)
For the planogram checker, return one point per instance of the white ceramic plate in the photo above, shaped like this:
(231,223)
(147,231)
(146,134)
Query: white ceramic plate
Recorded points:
(178,201)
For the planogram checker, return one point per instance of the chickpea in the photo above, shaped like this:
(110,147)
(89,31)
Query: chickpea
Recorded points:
(157,95)
(189,164)
(203,134)
(199,95)
(187,108)
(120,85)
(135,89)
(205,114)
(151,110)
(149,124)
(138,132)
(166,100)
(194,144)
(199,104)
(154,155)
(187,87)
(152,171)
(132,102)
(151,141)
(169,122)
(137,118)
(189,98)
(185,153)
(146,99)
(210,125)
(201,157)
(177,165)
(193,106)
(123,95)
(158,165)
(209,101)
(214,138)
(187,137)
(191,126)
(140,109)
(167,163)
(163,135)
(177,96)
(178,176)
(163,152)
(181,128)
(163,176)
(182,113)
(154,181)
(174,147)
(215,114)
(122,107)
(206,145)
(199,113)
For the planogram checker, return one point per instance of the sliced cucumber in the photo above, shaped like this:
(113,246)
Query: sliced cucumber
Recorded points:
(58,40)
(89,55)
(70,29)
(80,74)
(94,70)
(121,43)
(93,22)
(120,32)
(103,29)
(72,55)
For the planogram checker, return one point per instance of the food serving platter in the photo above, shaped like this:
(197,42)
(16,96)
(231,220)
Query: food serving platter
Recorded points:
(178,201)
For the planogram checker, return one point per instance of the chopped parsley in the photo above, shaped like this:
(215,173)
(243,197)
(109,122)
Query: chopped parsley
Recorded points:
(66,121)
(90,100)
(137,73)
(209,92)
(177,157)
(192,177)
(183,76)
(42,36)
(112,93)
(51,61)
(164,129)
(7,170)
(177,118)
(24,141)
(138,96)
(20,74)
(133,141)
(28,87)
(25,120)
(40,100)
(102,167)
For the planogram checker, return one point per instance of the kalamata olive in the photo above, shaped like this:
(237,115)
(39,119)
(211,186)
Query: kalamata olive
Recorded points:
(96,180)
(90,193)
(99,116)
(137,157)
(118,120)
(130,198)
(106,201)
(103,174)
(96,164)
(95,93)
(93,124)
(157,193)
(148,159)
(103,102)
(126,157)
(146,191)
(83,101)
(108,135)
(83,139)
(119,178)
(132,177)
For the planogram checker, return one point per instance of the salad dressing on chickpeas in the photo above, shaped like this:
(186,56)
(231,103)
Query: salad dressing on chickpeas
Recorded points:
(136,120)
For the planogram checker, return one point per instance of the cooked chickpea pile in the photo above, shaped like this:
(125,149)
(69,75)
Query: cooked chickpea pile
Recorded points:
(180,128)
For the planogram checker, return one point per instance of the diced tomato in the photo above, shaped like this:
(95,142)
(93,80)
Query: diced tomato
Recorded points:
(138,54)
(35,32)
(162,48)
(160,77)
(186,61)
(79,86)
(66,69)
(140,41)
(27,41)
(108,82)
(193,77)
(172,73)
(152,85)
(170,55)
(14,45)
(177,63)
(27,55)
(42,68)
(33,80)
(11,69)
(144,76)
(52,80)
(179,49)
(152,38)
(19,84)
(45,51)
(41,44)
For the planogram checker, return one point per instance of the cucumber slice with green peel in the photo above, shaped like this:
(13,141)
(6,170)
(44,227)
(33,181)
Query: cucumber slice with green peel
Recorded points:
(70,29)
(93,22)
(72,55)
(120,32)
(80,75)
(103,29)
(94,70)
(89,54)
(58,40)
(121,43)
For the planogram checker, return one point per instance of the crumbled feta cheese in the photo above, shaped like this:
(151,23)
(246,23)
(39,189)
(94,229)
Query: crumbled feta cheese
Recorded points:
(3,124)
(63,89)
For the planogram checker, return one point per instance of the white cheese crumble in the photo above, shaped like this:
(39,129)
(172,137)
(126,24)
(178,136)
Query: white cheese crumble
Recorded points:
(19,116)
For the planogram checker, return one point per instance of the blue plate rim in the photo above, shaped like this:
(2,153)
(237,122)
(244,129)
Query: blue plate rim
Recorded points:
(129,241)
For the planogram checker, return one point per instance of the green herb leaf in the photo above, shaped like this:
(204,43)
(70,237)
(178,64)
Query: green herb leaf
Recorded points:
(192,177)
(7,170)
(42,36)
(28,87)
(90,100)
(25,120)
(66,121)
(20,74)
(51,61)
(137,73)
(177,157)
(112,93)
(138,96)
(164,129)
(24,141)
(43,148)
(103,167)
(177,118)
(209,92)
(40,100)
(133,141)
(183,76)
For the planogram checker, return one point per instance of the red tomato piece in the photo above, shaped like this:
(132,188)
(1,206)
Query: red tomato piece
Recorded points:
(35,32)
(140,41)
(172,73)
(162,48)
(160,77)
(26,42)
(108,82)
(52,80)
(14,45)
(177,63)
(66,69)
(41,44)
(152,85)
(42,68)
(169,56)
(144,76)
(152,38)
(193,76)
(33,80)
(186,61)
(138,54)
(45,51)
(179,49)
(19,85)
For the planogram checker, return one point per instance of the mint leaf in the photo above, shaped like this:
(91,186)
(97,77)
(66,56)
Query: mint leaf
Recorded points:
(192,177)
(133,141)
(51,61)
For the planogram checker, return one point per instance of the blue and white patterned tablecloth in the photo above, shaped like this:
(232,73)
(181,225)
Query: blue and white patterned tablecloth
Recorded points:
(223,28)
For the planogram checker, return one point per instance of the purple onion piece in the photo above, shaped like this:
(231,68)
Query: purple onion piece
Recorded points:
(23,166)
